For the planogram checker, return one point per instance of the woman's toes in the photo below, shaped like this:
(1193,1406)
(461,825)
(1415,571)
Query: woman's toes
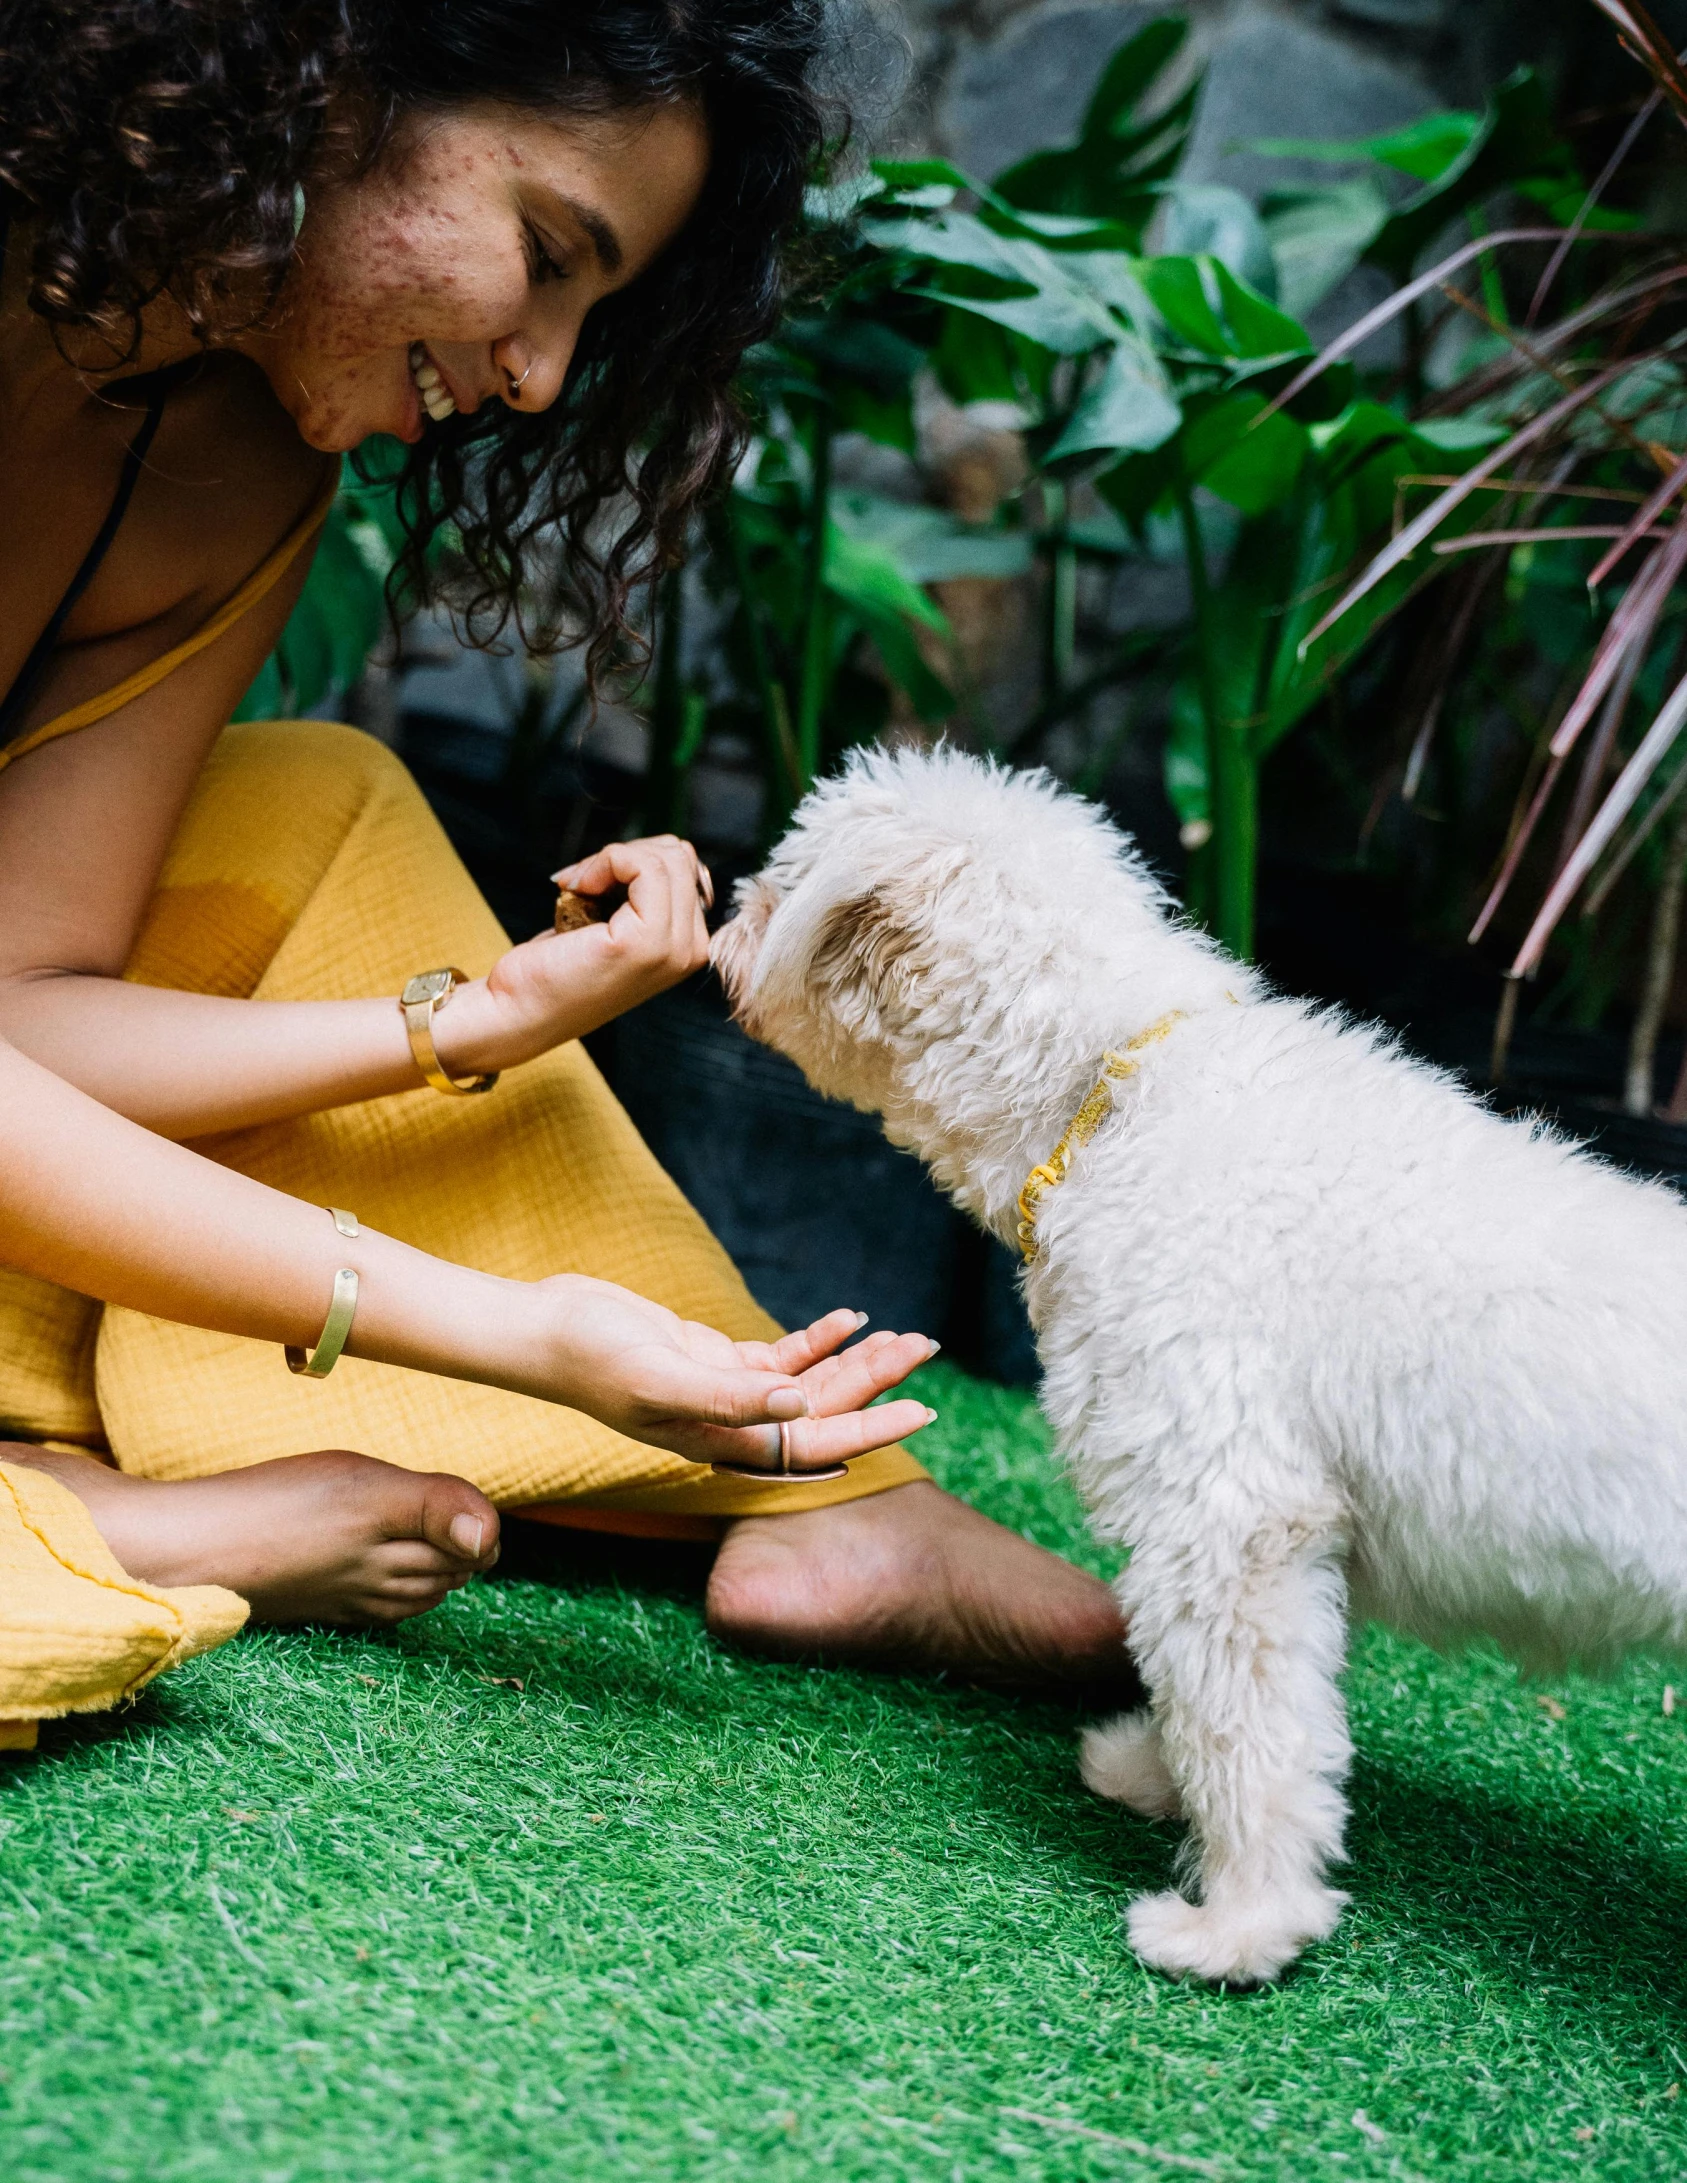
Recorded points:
(459,1520)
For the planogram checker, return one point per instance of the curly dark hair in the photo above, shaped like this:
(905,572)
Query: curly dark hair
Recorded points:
(154,146)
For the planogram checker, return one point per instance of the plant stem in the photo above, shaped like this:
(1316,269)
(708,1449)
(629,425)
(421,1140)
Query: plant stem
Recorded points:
(1661,948)
(784,767)
(1060,636)
(664,786)
(1232,773)
(817,619)
(1505,1023)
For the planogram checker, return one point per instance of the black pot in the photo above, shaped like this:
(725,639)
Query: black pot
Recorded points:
(815,1207)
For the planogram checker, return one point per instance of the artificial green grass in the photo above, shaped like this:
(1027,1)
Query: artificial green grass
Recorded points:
(547,1885)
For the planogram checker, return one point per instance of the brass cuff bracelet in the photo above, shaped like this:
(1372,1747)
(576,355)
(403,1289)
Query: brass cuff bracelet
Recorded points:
(420,1002)
(342,1310)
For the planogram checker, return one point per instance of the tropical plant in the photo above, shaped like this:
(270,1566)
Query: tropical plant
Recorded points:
(1585,414)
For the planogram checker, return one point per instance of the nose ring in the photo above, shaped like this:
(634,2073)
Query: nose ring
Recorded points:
(516,384)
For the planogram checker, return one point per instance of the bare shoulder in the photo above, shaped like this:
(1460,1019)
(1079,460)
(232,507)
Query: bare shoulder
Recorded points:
(226,478)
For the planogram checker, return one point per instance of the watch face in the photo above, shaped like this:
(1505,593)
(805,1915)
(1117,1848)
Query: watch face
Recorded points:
(431,985)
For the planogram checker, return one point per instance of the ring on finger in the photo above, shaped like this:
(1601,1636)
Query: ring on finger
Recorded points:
(784,1474)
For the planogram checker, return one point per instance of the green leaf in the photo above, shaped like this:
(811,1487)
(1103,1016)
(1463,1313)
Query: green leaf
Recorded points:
(1179,294)
(1250,464)
(1318,236)
(928,545)
(976,362)
(1052,322)
(1129,407)
(1115,162)
(1132,71)
(1516,143)
(902,176)
(864,574)
(1424,149)
(1257,327)
(1204,219)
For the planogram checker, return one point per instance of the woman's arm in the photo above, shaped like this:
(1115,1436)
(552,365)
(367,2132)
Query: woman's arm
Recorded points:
(89,1200)
(85,823)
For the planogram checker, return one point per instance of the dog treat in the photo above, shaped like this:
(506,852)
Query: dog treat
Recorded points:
(575,910)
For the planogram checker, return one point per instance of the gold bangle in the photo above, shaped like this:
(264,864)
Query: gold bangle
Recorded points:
(342,1310)
(422,998)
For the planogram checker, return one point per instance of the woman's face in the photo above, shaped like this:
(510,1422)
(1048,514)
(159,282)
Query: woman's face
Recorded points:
(461,268)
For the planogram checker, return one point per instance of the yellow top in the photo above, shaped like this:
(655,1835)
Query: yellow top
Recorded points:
(262,580)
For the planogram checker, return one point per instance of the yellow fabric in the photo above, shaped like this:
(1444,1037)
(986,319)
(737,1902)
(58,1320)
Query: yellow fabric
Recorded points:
(308,867)
(262,580)
(77,1633)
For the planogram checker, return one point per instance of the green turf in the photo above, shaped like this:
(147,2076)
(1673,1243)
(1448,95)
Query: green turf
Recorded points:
(547,1885)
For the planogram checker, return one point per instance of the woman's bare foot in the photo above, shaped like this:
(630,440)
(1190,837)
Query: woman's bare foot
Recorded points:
(331,1537)
(914,1578)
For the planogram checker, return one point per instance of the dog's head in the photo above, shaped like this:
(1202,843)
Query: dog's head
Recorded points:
(925,901)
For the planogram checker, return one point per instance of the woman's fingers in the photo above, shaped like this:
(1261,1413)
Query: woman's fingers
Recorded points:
(808,1345)
(675,1389)
(817,1442)
(864,1373)
(814,1443)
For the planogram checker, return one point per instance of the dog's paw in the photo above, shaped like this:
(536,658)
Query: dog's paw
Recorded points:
(1242,1943)
(1123,1760)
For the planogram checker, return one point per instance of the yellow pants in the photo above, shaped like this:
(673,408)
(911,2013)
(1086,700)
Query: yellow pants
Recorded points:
(307,867)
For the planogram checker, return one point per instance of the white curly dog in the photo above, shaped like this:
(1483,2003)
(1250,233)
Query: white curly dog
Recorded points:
(1324,1338)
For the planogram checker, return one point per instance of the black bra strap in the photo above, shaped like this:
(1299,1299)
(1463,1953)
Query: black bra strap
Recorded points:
(16,701)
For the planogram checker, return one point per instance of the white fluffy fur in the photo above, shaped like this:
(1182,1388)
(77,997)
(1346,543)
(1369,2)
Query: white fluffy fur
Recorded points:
(1323,1337)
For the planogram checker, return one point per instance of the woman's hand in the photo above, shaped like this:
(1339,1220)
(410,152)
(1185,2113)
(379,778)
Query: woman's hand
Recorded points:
(674,1384)
(563,984)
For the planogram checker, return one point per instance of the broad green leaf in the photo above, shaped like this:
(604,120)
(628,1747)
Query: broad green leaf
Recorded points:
(1457,435)
(1129,407)
(865,575)
(928,545)
(1130,73)
(1318,236)
(836,203)
(1179,294)
(1257,327)
(1424,149)
(1061,312)
(1204,219)
(1116,161)
(1516,143)
(975,361)
(1141,483)
(1250,464)
(902,175)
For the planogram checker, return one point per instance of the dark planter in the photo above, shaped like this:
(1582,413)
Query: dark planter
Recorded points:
(816,1208)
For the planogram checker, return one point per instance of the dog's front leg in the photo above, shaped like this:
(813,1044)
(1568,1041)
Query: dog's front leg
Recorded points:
(1241,1651)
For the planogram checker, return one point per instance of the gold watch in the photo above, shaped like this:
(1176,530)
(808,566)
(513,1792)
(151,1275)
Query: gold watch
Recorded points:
(422,998)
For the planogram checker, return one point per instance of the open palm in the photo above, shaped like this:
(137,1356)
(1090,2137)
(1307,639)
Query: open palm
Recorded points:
(676,1384)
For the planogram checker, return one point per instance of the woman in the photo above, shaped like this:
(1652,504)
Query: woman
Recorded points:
(527,239)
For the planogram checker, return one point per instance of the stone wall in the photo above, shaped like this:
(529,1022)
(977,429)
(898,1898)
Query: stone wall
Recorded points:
(989,79)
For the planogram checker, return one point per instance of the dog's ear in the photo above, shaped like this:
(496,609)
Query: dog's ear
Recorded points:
(866,954)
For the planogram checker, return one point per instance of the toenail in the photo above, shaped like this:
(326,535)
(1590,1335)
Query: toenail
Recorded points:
(467,1533)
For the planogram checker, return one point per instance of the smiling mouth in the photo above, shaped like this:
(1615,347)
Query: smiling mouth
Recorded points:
(436,396)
